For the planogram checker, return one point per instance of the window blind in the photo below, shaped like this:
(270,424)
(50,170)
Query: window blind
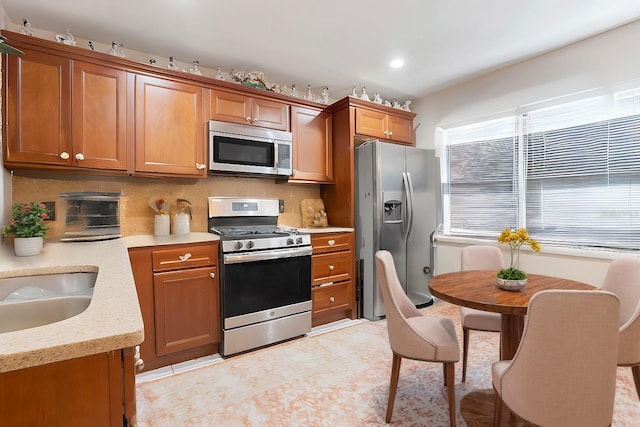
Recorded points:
(579,180)
(481,189)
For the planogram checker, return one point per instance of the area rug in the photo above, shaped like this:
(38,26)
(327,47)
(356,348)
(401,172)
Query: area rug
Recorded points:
(338,378)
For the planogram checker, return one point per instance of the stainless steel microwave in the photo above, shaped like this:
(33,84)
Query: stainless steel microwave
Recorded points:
(245,149)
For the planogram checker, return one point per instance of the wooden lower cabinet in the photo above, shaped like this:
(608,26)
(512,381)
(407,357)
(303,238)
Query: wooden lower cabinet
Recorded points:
(332,271)
(178,290)
(95,390)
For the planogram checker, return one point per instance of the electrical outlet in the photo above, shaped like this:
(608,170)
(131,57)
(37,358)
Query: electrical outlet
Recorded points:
(51,206)
(281,205)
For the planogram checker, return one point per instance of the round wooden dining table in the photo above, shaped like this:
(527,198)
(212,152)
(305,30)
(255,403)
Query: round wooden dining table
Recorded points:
(478,289)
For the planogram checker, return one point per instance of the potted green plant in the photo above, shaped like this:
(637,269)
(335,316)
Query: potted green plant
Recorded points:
(27,227)
(512,278)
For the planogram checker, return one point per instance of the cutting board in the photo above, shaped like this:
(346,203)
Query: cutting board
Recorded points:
(313,213)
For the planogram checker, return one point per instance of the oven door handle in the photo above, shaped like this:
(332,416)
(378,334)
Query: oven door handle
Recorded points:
(266,255)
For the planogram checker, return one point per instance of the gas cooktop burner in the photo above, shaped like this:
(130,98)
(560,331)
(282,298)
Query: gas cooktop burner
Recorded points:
(253,232)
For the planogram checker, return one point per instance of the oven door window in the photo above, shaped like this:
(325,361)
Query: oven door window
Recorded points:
(242,151)
(255,286)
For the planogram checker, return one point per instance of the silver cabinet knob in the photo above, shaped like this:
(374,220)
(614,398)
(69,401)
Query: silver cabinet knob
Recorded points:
(64,155)
(212,275)
(255,120)
(390,133)
(79,156)
(331,242)
(331,267)
(185,257)
(248,118)
(332,299)
(200,166)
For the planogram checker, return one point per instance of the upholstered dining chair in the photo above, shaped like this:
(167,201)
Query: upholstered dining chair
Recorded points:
(623,279)
(564,371)
(478,257)
(413,335)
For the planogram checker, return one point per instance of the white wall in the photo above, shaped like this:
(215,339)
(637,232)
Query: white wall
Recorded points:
(607,60)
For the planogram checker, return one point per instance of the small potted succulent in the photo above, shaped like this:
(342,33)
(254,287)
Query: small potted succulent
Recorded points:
(27,227)
(512,278)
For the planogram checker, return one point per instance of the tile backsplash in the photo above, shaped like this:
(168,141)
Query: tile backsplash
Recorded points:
(136,217)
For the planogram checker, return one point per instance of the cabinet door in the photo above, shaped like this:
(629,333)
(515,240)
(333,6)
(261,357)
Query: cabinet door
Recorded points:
(371,123)
(38,108)
(99,117)
(230,107)
(170,130)
(186,309)
(270,114)
(400,129)
(312,149)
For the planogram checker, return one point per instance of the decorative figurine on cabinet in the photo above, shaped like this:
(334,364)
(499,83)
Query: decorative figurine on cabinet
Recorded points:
(90,45)
(172,63)
(68,39)
(364,94)
(26,27)
(195,69)
(405,106)
(152,61)
(116,49)
(325,95)
(353,92)
(294,92)
(377,98)
(309,95)
(219,75)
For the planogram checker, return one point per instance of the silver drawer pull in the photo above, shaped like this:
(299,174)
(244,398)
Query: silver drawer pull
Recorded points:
(331,242)
(331,267)
(212,275)
(138,362)
(185,257)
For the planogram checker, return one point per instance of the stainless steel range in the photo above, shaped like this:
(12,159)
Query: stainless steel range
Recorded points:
(265,274)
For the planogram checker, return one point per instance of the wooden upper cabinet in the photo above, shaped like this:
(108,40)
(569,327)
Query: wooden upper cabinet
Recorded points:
(99,116)
(239,108)
(384,126)
(169,128)
(37,109)
(312,148)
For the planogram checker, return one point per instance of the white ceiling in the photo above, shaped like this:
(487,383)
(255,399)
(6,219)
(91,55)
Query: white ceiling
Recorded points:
(336,43)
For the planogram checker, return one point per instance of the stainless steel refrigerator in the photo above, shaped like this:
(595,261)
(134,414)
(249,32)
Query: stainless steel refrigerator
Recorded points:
(395,210)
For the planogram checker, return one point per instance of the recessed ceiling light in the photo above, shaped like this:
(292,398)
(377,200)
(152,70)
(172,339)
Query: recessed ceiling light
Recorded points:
(396,63)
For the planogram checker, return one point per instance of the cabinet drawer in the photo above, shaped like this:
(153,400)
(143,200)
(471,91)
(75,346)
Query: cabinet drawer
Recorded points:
(331,297)
(331,267)
(184,257)
(330,242)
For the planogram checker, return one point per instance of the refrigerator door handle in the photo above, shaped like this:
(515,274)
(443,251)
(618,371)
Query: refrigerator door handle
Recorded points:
(410,226)
(406,212)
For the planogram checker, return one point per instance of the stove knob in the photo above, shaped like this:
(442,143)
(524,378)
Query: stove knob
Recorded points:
(289,241)
(250,244)
(238,246)
(299,240)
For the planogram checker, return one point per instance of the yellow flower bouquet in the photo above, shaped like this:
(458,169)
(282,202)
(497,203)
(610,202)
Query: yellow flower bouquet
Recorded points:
(515,239)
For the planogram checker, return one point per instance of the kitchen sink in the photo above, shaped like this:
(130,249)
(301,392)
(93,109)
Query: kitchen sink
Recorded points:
(37,300)
(24,314)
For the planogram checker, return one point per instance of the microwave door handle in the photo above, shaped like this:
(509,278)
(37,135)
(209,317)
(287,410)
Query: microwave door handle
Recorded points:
(275,154)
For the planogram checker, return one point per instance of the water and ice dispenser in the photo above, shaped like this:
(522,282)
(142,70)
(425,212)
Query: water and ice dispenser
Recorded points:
(392,207)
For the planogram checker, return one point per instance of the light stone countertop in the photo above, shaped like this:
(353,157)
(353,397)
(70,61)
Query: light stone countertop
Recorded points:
(314,230)
(113,319)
